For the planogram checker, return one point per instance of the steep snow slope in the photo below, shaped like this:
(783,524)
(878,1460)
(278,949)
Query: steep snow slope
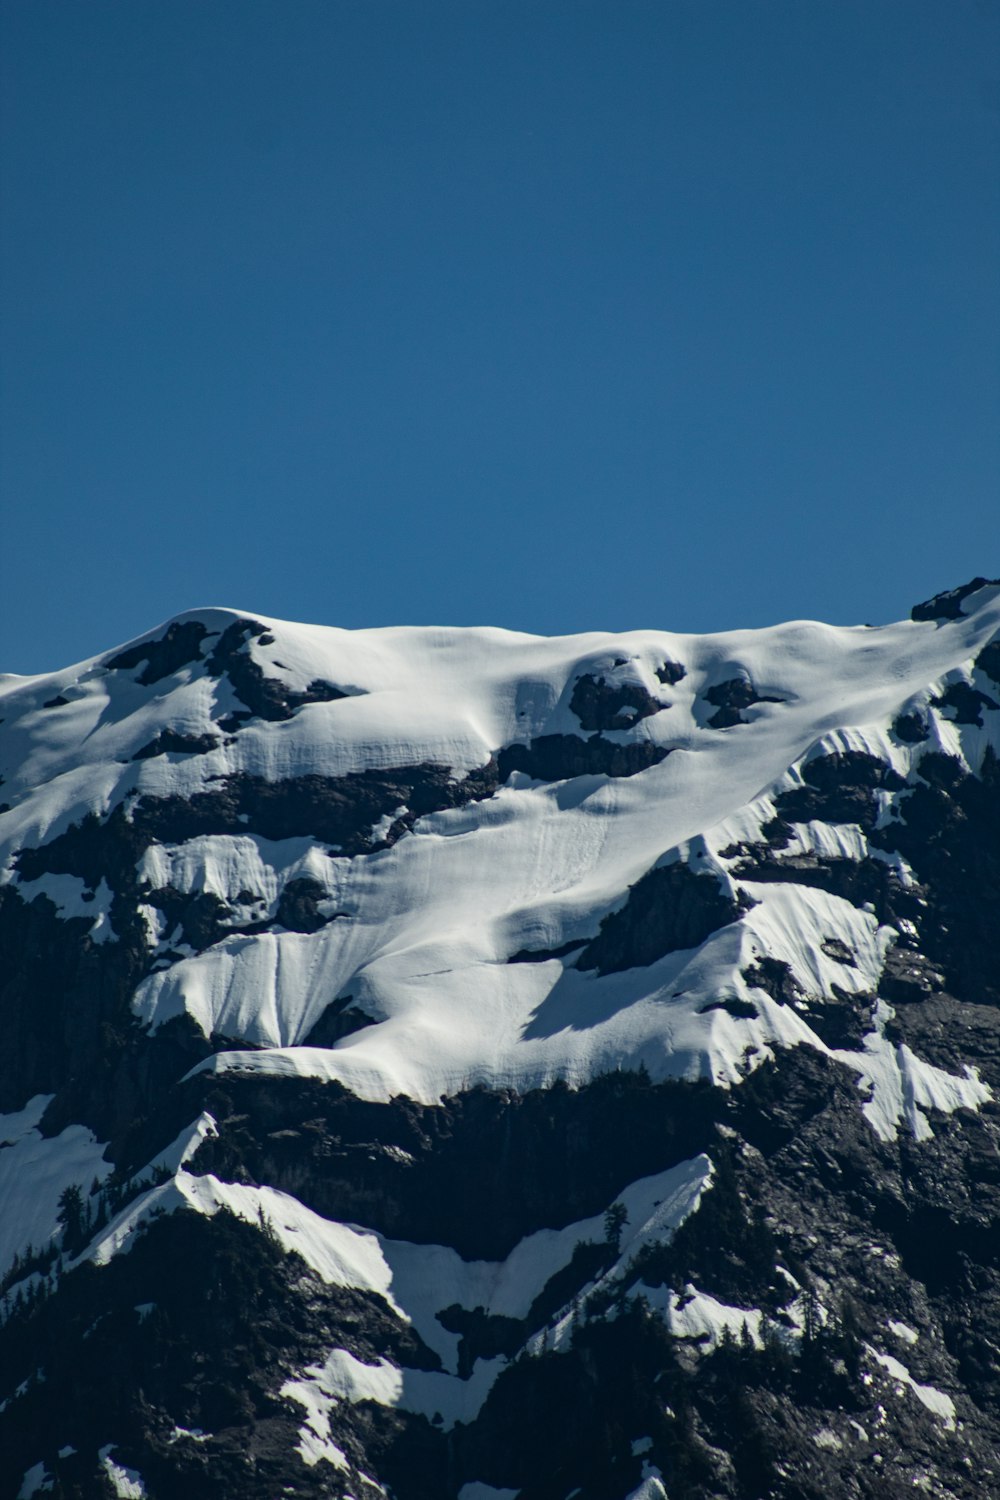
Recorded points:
(303,934)
(421,933)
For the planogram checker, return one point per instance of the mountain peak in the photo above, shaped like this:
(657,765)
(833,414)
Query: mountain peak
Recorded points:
(418,1038)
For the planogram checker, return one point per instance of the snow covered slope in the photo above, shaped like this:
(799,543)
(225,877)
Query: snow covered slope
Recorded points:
(418,914)
(421,880)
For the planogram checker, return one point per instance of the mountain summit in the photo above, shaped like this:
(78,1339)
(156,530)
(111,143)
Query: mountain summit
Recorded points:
(463,1065)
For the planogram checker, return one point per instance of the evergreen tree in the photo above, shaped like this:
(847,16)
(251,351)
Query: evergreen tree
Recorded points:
(614,1222)
(71,1218)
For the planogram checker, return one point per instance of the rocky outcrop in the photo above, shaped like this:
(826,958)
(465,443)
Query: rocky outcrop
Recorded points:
(600,704)
(948,605)
(670,908)
(730,698)
(274,1283)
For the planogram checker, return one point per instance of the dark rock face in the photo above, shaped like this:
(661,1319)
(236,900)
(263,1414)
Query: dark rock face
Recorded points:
(988,661)
(298,906)
(339,811)
(802,1190)
(179,646)
(948,605)
(730,698)
(949,831)
(266,697)
(840,789)
(415,1171)
(776,978)
(910,728)
(842,1248)
(965,703)
(558,757)
(671,673)
(543,955)
(341,1018)
(169,740)
(600,704)
(668,909)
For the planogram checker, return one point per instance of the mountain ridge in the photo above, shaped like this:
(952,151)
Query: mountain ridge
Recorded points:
(450,939)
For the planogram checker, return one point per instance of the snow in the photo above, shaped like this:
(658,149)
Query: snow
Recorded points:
(422,933)
(126,1483)
(315,1443)
(415,1281)
(67,894)
(229,864)
(184,1146)
(15,1126)
(34,1172)
(695,1315)
(902,1086)
(935,1401)
(21,1390)
(651,1487)
(479,1491)
(37,1481)
(425,929)
(903,1331)
(427,1278)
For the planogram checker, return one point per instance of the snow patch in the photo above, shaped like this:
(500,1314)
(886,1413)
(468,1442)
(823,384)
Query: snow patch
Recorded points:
(35,1171)
(651,1487)
(696,1315)
(902,1086)
(126,1483)
(37,1481)
(477,1490)
(942,1406)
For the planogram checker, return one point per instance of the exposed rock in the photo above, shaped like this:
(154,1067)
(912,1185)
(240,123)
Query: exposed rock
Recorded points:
(543,955)
(740,1010)
(839,1254)
(730,698)
(298,906)
(949,832)
(908,977)
(341,1018)
(965,702)
(988,661)
(266,697)
(669,908)
(862,882)
(557,1154)
(179,646)
(671,673)
(558,757)
(948,605)
(910,728)
(775,978)
(600,704)
(180,744)
(840,788)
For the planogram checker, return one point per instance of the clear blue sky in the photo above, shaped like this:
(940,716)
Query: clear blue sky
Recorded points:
(549,314)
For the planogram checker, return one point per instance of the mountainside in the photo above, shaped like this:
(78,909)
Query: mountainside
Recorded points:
(462,1065)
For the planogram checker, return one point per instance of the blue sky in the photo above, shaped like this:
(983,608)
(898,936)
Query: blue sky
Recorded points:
(548,314)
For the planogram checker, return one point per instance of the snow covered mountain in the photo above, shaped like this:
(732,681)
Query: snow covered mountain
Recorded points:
(455,1065)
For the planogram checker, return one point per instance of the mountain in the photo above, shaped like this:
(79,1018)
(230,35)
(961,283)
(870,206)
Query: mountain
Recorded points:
(463,1065)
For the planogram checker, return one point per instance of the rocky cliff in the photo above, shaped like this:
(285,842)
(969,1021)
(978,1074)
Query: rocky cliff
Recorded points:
(460,1065)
